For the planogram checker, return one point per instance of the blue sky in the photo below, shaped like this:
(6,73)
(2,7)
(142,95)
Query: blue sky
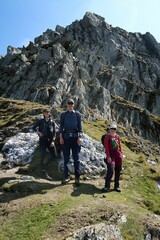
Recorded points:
(23,20)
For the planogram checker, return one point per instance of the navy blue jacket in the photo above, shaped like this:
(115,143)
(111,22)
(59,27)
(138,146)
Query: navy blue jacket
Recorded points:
(70,121)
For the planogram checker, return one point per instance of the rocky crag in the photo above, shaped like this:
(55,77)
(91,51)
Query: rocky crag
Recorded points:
(111,73)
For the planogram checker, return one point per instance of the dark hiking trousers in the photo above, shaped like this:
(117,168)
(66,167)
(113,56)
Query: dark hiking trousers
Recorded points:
(71,144)
(44,144)
(110,170)
(114,167)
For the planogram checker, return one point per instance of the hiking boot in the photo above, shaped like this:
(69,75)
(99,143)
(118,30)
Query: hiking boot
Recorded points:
(105,189)
(66,180)
(77,182)
(45,175)
(117,189)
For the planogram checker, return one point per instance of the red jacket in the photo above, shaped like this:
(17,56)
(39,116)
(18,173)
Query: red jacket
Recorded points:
(112,143)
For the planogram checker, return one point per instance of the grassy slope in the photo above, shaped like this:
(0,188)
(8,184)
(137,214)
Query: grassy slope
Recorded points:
(47,210)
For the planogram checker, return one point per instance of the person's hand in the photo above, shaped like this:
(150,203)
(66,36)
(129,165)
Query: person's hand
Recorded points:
(61,140)
(79,141)
(40,134)
(52,144)
(121,155)
(109,160)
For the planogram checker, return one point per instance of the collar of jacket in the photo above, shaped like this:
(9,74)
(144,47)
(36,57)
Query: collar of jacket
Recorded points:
(71,111)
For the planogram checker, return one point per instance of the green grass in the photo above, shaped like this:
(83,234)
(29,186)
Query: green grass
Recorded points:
(95,129)
(133,228)
(33,223)
(36,222)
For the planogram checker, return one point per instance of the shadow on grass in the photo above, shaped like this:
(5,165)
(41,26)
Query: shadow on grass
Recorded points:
(6,179)
(33,169)
(19,189)
(85,188)
(16,190)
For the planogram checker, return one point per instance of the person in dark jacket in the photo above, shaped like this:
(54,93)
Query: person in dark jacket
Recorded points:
(45,129)
(70,137)
(114,155)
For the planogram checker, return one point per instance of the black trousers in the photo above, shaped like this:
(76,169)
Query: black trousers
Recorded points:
(111,168)
(44,144)
(70,144)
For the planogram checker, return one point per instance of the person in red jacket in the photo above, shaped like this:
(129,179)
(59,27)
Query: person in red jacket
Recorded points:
(113,150)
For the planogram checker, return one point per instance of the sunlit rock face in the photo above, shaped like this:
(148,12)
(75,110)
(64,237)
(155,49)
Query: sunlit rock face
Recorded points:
(19,149)
(109,72)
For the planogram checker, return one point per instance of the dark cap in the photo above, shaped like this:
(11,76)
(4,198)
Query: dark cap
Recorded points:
(70,101)
(46,110)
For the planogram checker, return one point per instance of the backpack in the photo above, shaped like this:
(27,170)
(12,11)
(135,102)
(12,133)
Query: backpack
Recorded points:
(102,138)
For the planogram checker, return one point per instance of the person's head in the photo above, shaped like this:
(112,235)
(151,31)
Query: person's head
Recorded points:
(113,128)
(70,104)
(46,113)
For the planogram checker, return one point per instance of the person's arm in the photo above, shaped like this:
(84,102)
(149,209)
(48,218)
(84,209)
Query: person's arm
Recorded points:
(35,126)
(80,131)
(61,128)
(52,144)
(106,145)
(119,142)
(79,121)
(61,122)
(54,130)
(107,148)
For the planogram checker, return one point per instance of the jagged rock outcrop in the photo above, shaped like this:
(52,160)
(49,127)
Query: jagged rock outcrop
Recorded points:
(111,73)
(19,150)
(97,231)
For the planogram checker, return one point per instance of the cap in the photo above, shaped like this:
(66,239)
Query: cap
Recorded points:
(70,101)
(46,110)
(113,125)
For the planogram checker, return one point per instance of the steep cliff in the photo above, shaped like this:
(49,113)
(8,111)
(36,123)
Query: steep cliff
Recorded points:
(111,73)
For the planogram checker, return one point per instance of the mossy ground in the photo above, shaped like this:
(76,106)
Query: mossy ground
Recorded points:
(42,209)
